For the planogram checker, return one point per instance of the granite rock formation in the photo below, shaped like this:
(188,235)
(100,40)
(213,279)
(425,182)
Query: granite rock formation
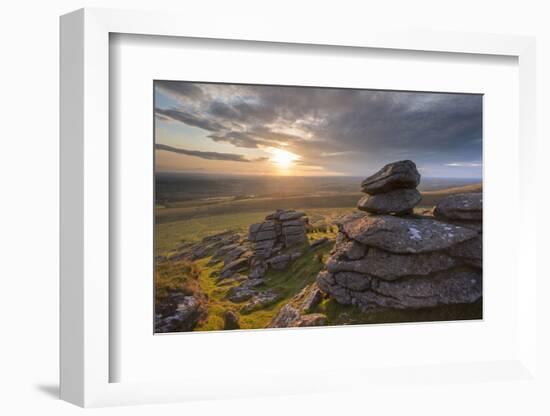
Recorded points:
(391,190)
(406,261)
(186,313)
(298,311)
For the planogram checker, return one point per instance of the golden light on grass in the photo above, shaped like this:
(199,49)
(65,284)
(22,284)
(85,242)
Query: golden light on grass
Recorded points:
(282,158)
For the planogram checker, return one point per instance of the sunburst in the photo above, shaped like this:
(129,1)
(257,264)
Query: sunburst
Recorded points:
(283,159)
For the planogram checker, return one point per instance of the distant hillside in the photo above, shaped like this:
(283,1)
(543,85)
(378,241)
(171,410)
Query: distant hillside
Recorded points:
(431,198)
(476,187)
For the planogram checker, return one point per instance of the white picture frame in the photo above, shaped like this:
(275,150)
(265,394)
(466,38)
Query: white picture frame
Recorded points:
(85,216)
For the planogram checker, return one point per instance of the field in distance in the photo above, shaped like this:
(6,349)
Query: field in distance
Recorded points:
(191,207)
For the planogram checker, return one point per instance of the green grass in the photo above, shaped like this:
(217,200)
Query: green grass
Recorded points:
(287,283)
(211,210)
(169,235)
(217,304)
(169,212)
(171,277)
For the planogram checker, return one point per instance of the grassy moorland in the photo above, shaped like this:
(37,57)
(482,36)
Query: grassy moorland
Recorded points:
(191,221)
(287,283)
(194,220)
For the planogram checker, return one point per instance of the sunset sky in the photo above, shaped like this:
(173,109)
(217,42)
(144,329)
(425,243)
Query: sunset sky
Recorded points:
(273,130)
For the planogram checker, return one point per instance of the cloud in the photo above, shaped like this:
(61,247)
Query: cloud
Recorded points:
(180,90)
(464,164)
(348,129)
(239,139)
(208,155)
(189,119)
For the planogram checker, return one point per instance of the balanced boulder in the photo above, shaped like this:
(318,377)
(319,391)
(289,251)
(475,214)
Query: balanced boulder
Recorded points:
(397,175)
(391,190)
(399,201)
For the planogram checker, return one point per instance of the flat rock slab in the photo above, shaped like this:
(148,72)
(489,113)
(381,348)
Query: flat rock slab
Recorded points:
(234,254)
(391,266)
(295,239)
(469,251)
(238,265)
(291,215)
(397,175)
(261,300)
(353,281)
(244,291)
(446,288)
(263,230)
(405,235)
(300,229)
(461,207)
(399,201)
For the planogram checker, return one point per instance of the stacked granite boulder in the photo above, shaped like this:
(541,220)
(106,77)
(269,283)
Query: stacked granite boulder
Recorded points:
(268,245)
(283,228)
(405,261)
(280,230)
(392,190)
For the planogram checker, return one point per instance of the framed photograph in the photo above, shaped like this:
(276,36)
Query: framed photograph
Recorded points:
(259,218)
(236,209)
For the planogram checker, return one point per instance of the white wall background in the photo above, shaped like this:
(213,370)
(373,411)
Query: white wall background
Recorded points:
(29,56)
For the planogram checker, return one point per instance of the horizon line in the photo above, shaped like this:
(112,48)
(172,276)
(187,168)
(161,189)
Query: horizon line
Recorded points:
(298,176)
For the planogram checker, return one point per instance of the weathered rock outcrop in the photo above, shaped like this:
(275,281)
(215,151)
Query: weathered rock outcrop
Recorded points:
(188,312)
(280,231)
(468,207)
(244,291)
(406,262)
(397,175)
(391,190)
(231,320)
(399,201)
(250,291)
(217,245)
(405,235)
(298,311)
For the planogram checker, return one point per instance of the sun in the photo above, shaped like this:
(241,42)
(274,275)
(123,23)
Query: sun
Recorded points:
(282,158)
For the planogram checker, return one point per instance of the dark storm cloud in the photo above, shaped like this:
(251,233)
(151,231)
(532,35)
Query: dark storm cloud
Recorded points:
(330,126)
(180,89)
(207,155)
(189,119)
(239,139)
